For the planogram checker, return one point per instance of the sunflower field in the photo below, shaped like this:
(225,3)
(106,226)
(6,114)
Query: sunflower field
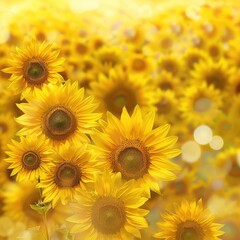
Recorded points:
(119,120)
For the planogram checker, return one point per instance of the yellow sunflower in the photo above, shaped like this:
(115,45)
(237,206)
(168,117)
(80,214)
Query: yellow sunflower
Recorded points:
(167,110)
(111,211)
(8,128)
(71,168)
(193,56)
(137,63)
(170,63)
(131,146)
(17,200)
(166,81)
(200,104)
(29,158)
(189,221)
(229,162)
(62,113)
(34,66)
(213,73)
(122,90)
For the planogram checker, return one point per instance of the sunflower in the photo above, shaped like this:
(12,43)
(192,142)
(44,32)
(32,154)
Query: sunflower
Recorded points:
(167,110)
(8,128)
(123,90)
(170,63)
(200,104)
(71,168)
(8,102)
(62,113)
(167,82)
(229,162)
(17,200)
(107,58)
(132,147)
(189,221)
(111,211)
(137,63)
(34,66)
(193,56)
(213,73)
(29,158)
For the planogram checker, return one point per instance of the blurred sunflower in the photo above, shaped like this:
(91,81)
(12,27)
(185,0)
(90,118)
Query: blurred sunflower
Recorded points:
(29,158)
(137,63)
(229,162)
(170,63)
(213,73)
(131,146)
(189,221)
(200,104)
(34,66)
(62,113)
(122,90)
(17,200)
(167,110)
(193,56)
(167,82)
(8,128)
(71,168)
(111,211)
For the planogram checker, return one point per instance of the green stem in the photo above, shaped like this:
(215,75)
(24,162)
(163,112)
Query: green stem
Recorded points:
(46,226)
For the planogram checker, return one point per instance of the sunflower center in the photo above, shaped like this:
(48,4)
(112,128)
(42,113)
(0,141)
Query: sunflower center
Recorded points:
(108,215)
(189,231)
(165,86)
(131,159)
(235,169)
(217,78)
(138,65)
(164,106)
(170,66)
(35,72)
(202,105)
(59,123)
(118,98)
(67,175)
(31,160)
(3,127)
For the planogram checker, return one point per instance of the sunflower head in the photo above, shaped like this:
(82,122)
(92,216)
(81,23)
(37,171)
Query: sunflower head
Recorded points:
(29,158)
(189,221)
(34,66)
(131,146)
(63,114)
(71,168)
(108,212)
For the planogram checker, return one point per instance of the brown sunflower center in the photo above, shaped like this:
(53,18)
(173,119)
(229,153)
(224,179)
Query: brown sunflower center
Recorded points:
(67,175)
(189,231)
(235,169)
(138,64)
(165,86)
(31,160)
(108,215)
(35,71)
(3,127)
(170,66)
(59,123)
(193,59)
(118,98)
(217,78)
(164,106)
(203,105)
(131,159)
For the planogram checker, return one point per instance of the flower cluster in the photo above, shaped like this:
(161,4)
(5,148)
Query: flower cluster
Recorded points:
(124,131)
